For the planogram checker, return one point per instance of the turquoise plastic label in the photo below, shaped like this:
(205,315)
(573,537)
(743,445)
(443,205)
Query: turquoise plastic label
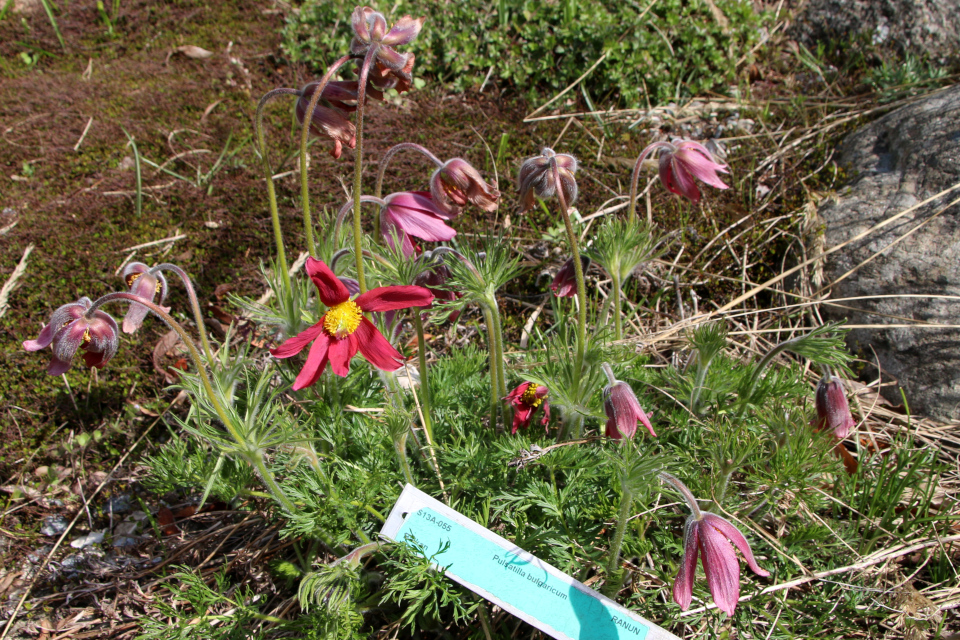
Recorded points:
(512,578)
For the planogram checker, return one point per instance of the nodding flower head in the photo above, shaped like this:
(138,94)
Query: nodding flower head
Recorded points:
(833,410)
(525,400)
(623,411)
(70,329)
(370,30)
(329,118)
(150,286)
(565,282)
(456,183)
(413,213)
(538,178)
(683,162)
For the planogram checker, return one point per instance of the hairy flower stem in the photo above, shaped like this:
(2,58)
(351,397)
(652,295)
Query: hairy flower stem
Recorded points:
(425,398)
(684,492)
(635,177)
(261,468)
(494,368)
(304,139)
(571,425)
(400,445)
(498,336)
(194,304)
(394,150)
(581,287)
(358,167)
(268,176)
(764,363)
(617,320)
(614,571)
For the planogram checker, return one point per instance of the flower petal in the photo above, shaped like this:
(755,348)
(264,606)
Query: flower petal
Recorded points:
(43,340)
(358,21)
(293,346)
(331,290)
(726,528)
(403,31)
(721,566)
(58,366)
(375,347)
(683,585)
(340,353)
(521,417)
(316,362)
(397,297)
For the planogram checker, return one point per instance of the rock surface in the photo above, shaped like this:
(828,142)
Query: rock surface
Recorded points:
(911,26)
(897,162)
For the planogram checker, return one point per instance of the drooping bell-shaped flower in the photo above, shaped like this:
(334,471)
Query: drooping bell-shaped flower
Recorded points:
(456,183)
(537,179)
(413,213)
(145,284)
(833,410)
(565,282)
(681,163)
(526,398)
(370,31)
(71,329)
(329,118)
(711,536)
(623,411)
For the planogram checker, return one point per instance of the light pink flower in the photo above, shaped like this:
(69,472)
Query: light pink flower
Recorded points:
(833,410)
(712,536)
(70,329)
(681,163)
(456,183)
(413,213)
(142,283)
(370,30)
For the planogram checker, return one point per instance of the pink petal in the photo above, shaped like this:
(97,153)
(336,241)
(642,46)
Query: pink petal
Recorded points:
(721,566)
(43,340)
(68,340)
(418,222)
(375,347)
(293,346)
(332,291)
(358,21)
(726,528)
(340,353)
(683,586)
(392,59)
(677,180)
(397,297)
(404,31)
(58,366)
(701,166)
(316,362)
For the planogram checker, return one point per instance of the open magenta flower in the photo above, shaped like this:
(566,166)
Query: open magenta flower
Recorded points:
(413,213)
(711,535)
(70,329)
(456,183)
(681,163)
(833,410)
(537,179)
(525,400)
(343,330)
(370,31)
(565,282)
(142,283)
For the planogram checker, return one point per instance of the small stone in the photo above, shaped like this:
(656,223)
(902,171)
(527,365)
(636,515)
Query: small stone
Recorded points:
(94,537)
(54,525)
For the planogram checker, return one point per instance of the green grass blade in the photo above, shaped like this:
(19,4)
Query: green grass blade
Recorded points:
(53,22)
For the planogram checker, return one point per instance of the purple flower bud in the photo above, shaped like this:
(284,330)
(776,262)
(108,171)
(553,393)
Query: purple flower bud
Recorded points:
(833,411)
(537,179)
(711,535)
(685,161)
(525,400)
(70,329)
(565,282)
(456,183)
(623,411)
(413,213)
(142,283)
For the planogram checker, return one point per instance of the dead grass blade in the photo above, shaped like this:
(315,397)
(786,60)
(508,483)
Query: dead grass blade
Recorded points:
(14,280)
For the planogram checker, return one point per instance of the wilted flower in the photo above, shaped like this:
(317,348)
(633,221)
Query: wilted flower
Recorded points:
(370,30)
(413,213)
(456,183)
(147,285)
(525,400)
(70,329)
(343,330)
(833,410)
(565,282)
(681,163)
(537,179)
(329,119)
(623,411)
(711,535)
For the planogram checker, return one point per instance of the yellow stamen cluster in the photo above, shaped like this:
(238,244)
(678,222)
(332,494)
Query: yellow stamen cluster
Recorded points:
(452,190)
(530,398)
(343,319)
(133,277)
(86,338)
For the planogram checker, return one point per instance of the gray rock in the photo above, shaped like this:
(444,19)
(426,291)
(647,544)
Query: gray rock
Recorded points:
(54,525)
(910,26)
(898,161)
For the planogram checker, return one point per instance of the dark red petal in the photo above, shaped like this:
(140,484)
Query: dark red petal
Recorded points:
(295,345)
(316,362)
(390,298)
(721,566)
(58,366)
(375,347)
(726,528)
(683,586)
(341,351)
(332,291)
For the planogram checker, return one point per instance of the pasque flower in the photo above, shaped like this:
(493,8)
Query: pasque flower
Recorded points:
(413,213)
(71,329)
(143,283)
(565,282)
(525,400)
(456,183)
(622,408)
(370,30)
(343,330)
(710,535)
(833,410)
(681,163)
(537,179)
(329,118)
